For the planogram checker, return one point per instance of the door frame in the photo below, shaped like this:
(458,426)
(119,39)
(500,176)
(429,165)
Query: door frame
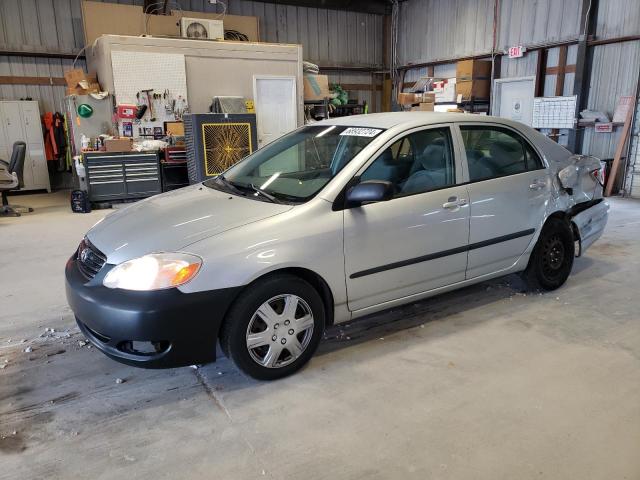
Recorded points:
(479,123)
(496,93)
(456,143)
(294,95)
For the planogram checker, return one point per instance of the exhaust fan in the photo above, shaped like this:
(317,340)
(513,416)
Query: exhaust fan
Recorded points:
(202,28)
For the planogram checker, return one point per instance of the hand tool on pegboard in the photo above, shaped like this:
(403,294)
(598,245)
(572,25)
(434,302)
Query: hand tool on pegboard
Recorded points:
(150,103)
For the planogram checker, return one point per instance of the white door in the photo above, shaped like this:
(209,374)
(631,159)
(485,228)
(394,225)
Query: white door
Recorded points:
(14,131)
(4,143)
(274,98)
(508,192)
(416,241)
(12,119)
(513,99)
(39,167)
(31,121)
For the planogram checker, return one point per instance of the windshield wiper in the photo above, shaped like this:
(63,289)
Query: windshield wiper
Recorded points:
(266,195)
(230,185)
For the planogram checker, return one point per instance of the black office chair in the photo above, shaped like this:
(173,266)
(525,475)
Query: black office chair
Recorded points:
(9,181)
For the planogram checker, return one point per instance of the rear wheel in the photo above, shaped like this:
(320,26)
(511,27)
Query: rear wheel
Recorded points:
(552,258)
(274,327)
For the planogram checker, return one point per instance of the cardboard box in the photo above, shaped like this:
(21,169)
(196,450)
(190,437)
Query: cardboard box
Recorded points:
(472,69)
(111,18)
(91,88)
(428,97)
(81,83)
(476,89)
(316,87)
(423,107)
(118,145)
(175,128)
(408,98)
(78,75)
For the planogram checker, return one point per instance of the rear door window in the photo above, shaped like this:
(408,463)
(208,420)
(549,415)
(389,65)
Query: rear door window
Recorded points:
(494,152)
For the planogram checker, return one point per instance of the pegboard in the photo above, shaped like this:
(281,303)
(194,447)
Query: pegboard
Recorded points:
(137,71)
(554,112)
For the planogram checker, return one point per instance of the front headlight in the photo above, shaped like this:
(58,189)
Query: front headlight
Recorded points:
(154,272)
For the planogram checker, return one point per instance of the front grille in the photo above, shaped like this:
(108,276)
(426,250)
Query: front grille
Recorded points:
(90,259)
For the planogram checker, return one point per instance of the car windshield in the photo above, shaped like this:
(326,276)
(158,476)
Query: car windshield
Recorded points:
(295,167)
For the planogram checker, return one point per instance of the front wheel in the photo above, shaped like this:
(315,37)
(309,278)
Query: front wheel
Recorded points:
(552,258)
(274,327)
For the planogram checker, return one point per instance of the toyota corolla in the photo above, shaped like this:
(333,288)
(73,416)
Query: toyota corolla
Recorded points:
(333,221)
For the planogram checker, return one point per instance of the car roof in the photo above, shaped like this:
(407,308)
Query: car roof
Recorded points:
(392,119)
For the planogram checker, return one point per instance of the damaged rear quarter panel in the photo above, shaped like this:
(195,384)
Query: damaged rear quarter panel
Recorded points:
(574,171)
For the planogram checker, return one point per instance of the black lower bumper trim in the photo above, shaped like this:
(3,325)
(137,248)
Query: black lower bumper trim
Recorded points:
(184,325)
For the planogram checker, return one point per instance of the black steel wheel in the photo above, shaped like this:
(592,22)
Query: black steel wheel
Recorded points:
(552,258)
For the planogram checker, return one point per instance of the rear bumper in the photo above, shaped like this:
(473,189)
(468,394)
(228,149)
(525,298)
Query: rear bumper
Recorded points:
(590,224)
(183,327)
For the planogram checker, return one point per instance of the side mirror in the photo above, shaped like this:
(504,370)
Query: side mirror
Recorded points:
(370,191)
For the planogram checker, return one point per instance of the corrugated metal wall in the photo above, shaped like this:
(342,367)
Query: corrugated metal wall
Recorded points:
(50,97)
(614,74)
(434,30)
(329,37)
(618,18)
(526,22)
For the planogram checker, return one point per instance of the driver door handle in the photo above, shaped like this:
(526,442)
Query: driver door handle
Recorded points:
(454,202)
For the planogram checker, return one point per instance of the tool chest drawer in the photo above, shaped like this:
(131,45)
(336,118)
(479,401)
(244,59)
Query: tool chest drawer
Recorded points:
(120,176)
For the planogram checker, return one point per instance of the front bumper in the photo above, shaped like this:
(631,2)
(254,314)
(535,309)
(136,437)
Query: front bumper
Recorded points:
(181,328)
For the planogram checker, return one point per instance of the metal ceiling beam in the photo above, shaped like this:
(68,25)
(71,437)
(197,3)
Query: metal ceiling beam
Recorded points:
(379,7)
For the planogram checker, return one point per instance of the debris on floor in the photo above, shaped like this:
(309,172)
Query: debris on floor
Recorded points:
(119,381)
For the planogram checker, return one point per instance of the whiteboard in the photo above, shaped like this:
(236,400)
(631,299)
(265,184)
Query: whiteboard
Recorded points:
(137,71)
(554,112)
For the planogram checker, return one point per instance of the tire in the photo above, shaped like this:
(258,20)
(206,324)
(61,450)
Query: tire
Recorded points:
(552,258)
(283,317)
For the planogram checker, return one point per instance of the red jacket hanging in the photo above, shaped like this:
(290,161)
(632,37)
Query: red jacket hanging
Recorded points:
(55,142)
(50,145)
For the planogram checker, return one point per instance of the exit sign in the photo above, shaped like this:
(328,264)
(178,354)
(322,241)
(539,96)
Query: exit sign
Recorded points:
(516,52)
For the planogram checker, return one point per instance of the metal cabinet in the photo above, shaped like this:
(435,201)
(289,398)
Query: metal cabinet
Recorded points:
(121,176)
(20,121)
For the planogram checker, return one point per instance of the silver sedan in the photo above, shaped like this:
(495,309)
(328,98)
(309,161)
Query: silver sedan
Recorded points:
(333,221)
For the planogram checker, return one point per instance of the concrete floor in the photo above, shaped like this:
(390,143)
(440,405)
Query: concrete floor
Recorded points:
(484,383)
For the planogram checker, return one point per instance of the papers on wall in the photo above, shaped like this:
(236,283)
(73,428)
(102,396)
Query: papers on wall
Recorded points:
(554,112)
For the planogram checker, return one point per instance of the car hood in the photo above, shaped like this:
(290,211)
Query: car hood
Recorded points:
(171,221)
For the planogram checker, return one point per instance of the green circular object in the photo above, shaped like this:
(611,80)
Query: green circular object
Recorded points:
(84,110)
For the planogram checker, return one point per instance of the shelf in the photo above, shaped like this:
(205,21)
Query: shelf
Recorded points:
(588,123)
(465,102)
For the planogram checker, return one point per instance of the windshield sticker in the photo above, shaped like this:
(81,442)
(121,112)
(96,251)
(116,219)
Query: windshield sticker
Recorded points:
(361,132)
